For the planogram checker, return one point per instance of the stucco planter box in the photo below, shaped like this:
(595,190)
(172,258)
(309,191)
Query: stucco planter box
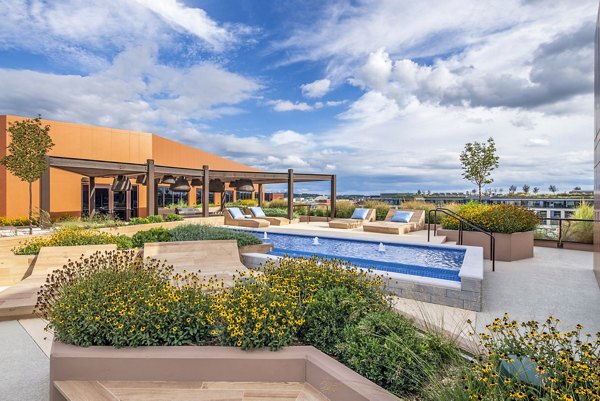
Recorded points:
(509,247)
(302,364)
(258,248)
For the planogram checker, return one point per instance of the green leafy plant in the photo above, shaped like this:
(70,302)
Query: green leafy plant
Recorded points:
(277,212)
(118,299)
(26,159)
(156,234)
(172,217)
(196,232)
(386,348)
(381,208)
(277,204)
(71,236)
(478,161)
(329,313)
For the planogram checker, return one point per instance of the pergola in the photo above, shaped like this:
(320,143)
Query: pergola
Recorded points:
(153,173)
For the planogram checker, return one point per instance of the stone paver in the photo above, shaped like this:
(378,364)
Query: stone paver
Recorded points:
(24,367)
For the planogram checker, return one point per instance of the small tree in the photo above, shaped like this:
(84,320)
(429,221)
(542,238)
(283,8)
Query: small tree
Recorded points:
(512,189)
(552,188)
(536,190)
(577,189)
(26,158)
(478,161)
(526,188)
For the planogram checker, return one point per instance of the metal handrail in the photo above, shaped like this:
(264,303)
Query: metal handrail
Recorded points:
(461,222)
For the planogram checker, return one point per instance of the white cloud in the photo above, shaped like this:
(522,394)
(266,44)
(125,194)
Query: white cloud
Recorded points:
(316,89)
(286,105)
(135,92)
(289,137)
(193,20)
(372,108)
(538,142)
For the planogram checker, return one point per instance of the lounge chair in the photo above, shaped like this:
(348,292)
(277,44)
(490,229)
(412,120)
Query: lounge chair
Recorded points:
(235,217)
(414,222)
(257,213)
(358,218)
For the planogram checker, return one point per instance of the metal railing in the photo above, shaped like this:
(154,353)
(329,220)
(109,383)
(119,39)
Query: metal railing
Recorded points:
(461,225)
(562,232)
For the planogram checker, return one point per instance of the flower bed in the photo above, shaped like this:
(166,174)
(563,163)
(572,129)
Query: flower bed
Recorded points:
(119,300)
(71,236)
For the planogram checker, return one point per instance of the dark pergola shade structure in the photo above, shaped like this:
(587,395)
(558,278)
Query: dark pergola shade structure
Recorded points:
(97,168)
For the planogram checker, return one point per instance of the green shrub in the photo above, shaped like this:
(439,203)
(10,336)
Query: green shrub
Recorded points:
(506,219)
(385,348)
(118,299)
(155,219)
(381,208)
(172,217)
(196,232)
(278,212)
(71,236)
(156,234)
(344,209)
(320,212)
(329,312)
(134,221)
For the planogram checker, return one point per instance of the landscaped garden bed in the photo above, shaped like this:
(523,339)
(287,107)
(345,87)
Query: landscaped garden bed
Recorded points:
(117,300)
(512,227)
(75,235)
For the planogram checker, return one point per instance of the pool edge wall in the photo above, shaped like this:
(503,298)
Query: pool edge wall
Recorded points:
(466,294)
(212,363)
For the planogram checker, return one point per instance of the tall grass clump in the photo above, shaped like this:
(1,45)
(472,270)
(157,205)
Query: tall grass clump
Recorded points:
(381,208)
(580,231)
(344,209)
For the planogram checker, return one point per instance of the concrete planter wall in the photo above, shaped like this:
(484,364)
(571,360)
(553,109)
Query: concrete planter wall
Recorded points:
(303,364)
(258,248)
(509,247)
(305,219)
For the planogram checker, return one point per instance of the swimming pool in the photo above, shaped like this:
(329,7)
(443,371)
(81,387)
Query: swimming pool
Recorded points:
(419,260)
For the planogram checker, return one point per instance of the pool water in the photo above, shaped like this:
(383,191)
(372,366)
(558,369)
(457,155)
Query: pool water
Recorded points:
(427,261)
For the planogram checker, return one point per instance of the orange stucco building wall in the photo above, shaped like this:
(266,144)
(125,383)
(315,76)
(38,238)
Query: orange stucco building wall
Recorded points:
(97,143)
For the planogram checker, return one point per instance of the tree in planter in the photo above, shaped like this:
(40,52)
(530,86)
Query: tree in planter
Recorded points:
(552,188)
(526,188)
(478,161)
(29,144)
(536,190)
(512,189)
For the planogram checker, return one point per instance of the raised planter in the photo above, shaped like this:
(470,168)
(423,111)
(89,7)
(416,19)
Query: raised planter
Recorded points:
(509,247)
(258,248)
(303,364)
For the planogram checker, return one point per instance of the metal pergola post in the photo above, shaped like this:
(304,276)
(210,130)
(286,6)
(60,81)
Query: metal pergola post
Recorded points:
(290,194)
(333,196)
(150,188)
(205,191)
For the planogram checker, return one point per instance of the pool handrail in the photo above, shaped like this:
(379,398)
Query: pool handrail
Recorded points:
(461,222)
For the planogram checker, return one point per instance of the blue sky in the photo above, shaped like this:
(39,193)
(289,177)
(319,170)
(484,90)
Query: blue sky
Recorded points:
(382,93)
